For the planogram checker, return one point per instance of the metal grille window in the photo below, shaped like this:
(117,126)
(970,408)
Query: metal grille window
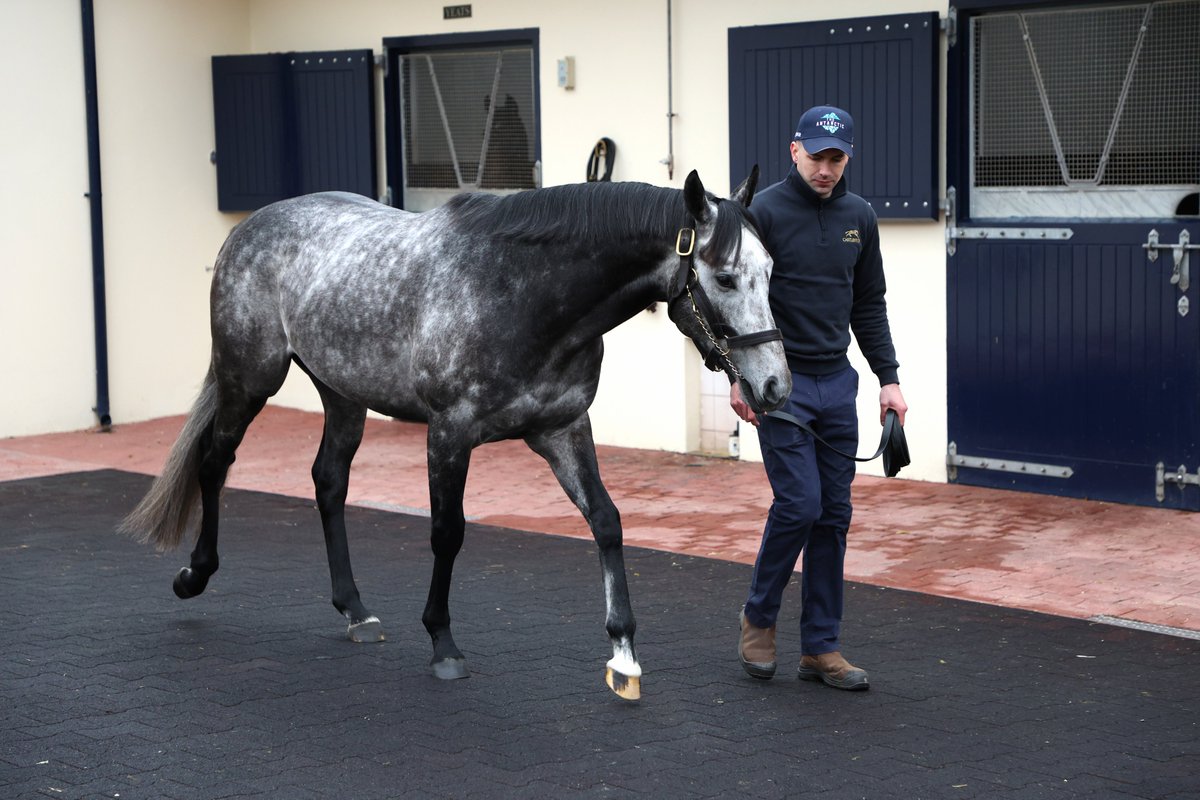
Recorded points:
(1086,112)
(469,123)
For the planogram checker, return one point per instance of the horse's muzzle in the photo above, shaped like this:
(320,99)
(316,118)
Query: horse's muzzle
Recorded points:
(773,395)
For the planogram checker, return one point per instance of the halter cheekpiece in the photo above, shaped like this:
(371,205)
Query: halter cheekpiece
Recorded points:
(722,337)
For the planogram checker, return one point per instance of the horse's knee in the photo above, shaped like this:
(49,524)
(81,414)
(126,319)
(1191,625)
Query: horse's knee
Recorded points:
(447,540)
(331,485)
(605,523)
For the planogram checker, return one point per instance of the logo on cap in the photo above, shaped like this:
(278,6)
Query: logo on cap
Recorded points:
(831,122)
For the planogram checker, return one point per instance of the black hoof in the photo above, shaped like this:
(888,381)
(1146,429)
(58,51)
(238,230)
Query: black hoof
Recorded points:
(188,584)
(449,669)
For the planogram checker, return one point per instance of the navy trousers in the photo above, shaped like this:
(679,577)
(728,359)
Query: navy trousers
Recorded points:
(811,509)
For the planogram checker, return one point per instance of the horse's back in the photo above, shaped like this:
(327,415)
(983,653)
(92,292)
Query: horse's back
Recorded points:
(307,241)
(281,227)
(339,281)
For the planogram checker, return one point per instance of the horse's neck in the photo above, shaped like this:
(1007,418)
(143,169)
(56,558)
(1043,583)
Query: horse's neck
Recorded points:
(617,290)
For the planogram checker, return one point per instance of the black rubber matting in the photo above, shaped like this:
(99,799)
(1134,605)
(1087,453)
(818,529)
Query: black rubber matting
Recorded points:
(111,687)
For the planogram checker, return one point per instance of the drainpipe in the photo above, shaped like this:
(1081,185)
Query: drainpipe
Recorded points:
(670,159)
(97,213)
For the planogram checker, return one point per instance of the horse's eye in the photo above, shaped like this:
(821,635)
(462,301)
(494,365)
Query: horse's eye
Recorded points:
(725,280)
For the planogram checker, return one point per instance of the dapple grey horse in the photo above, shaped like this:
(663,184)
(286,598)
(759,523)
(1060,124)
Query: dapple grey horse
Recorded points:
(483,319)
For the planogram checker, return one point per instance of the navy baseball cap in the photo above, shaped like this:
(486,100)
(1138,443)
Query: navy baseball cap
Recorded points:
(824,127)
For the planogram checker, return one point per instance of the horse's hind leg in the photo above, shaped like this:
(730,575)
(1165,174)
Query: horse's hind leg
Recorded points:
(218,445)
(571,454)
(448,463)
(344,421)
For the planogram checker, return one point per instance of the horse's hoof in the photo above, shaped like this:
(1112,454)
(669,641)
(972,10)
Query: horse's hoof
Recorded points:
(369,630)
(181,586)
(628,687)
(449,669)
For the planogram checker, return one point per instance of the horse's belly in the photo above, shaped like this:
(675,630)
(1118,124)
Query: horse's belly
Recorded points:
(376,378)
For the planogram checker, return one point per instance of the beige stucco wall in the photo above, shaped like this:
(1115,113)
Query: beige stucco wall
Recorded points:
(163,230)
(161,226)
(45,261)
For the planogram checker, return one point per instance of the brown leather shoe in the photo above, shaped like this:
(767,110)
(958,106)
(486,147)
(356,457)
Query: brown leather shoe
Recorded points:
(833,670)
(756,649)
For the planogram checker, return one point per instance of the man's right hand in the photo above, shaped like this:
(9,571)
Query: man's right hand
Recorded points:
(740,406)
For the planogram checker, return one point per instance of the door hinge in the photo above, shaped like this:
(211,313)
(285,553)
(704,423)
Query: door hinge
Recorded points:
(954,232)
(1181,274)
(949,24)
(954,461)
(1179,476)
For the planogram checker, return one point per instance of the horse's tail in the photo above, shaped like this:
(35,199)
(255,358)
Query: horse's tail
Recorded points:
(164,513)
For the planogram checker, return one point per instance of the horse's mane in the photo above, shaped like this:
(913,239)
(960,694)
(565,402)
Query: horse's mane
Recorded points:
(589,213)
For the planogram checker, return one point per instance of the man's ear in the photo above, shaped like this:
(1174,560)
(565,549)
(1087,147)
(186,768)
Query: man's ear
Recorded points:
(744,193)
(695,199)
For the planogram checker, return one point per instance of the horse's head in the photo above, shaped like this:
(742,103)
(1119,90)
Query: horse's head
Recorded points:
(718,295)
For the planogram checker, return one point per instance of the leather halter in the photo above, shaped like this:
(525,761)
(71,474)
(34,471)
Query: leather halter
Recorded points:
(722,337)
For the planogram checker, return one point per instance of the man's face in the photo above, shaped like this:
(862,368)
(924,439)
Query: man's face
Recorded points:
(821,171)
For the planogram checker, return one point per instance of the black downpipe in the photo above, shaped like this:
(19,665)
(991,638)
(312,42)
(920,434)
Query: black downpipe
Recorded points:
(97,208)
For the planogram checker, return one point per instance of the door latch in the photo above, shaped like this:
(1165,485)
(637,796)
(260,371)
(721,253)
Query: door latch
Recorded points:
(1180,477)
(1180,274)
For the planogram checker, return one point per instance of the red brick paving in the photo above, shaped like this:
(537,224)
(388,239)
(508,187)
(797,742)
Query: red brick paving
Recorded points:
(1062,556)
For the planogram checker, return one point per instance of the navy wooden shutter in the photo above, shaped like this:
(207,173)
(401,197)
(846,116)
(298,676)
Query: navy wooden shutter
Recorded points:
(293,123)
(335,121)
(250,118)
(883,70)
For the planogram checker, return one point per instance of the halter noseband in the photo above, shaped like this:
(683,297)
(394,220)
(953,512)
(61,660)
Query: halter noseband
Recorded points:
(722,337)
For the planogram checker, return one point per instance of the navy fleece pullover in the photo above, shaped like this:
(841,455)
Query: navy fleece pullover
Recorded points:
(828,277)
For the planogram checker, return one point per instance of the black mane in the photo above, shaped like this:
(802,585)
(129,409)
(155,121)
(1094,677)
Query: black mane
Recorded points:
(592,213)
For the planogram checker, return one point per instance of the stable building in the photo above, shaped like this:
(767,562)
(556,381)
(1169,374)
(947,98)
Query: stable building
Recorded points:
(1035,167)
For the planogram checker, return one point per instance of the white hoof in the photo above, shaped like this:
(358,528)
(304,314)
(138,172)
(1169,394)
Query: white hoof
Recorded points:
(369,630)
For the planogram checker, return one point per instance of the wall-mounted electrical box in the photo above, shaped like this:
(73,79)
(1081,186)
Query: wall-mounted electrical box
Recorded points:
(566,72)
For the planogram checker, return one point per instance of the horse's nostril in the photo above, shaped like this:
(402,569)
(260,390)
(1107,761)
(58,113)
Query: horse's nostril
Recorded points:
(772,392)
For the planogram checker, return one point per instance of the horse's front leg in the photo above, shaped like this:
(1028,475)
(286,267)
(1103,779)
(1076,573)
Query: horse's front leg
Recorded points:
(343,433)
(571,454)
(448,459)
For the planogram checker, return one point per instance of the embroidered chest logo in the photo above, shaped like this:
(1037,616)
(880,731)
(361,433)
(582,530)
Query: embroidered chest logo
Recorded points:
(851,236)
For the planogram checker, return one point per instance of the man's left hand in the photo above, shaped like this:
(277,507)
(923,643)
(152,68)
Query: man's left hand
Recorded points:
(890,396)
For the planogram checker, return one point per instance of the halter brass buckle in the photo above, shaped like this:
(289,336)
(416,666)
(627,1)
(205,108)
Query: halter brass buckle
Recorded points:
(691,244)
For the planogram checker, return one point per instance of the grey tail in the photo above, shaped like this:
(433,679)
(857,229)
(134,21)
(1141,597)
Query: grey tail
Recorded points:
(167,509)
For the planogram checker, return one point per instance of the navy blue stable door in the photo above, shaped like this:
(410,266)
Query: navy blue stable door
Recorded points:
(1073,312)
(1073,355)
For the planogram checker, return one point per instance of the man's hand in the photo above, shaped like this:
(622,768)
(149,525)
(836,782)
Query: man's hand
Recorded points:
(889,397)
(740,406)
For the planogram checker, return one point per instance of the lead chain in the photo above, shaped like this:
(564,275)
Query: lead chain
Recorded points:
(722,351)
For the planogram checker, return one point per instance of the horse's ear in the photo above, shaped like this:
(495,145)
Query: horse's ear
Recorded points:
(695,199)
(745,192)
